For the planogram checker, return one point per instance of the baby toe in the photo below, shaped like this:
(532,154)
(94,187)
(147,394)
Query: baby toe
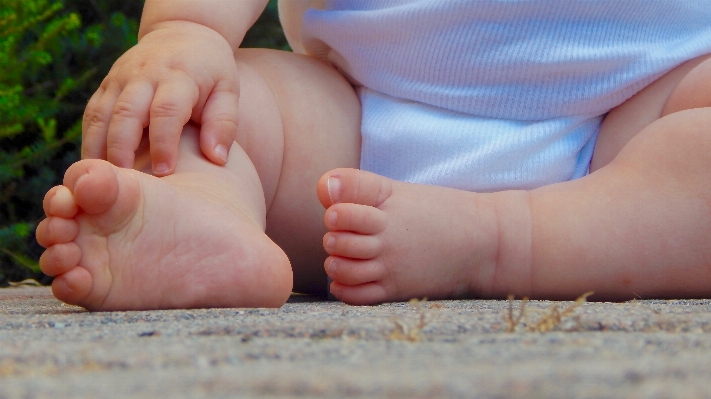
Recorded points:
(364,294)
(73,286)
(354,272)
(94,184)
(60,258)
(350,245)
(357,218)
(353,186)
(56,230)
(60,202)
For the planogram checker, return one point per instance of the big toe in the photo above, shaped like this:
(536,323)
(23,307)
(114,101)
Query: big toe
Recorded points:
(94,184)
(353,186)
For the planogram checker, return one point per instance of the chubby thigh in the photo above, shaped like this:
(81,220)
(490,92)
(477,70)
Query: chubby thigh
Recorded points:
(684,87)
(298,119)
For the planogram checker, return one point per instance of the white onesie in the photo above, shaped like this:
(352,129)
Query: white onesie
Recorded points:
(488,95)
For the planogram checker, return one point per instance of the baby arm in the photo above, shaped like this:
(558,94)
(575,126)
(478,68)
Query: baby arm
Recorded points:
(182,69)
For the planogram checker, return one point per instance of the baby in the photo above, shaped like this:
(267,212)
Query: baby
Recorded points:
(460,149)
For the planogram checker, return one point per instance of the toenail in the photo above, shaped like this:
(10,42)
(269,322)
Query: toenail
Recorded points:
(331,267)
(66,286)
(332,218)
(63,192)
(334,189)
(76,183)
(330,242)
(62,197)
(221,152)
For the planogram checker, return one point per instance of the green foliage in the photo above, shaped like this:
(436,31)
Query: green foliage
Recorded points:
(53,55)
(267,32)
(50,64)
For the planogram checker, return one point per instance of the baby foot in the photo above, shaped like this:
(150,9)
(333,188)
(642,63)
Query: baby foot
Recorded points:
(118,239)
(391,241)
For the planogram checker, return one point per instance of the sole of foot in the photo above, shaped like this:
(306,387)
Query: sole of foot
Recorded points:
(119,239)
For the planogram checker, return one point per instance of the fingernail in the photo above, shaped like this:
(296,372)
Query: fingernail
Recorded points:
(221,152)
(334,189)
(161,169)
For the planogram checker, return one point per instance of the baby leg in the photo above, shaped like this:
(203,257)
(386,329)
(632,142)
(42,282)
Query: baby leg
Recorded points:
(637,226)
(675,91)
(123,239)
(651,166)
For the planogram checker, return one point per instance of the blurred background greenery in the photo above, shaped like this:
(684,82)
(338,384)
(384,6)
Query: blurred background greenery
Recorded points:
(53,55)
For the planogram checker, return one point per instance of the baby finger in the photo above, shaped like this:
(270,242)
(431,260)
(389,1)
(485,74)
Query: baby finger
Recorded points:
(169,113)
(95,123)
(130,117)
(219,125)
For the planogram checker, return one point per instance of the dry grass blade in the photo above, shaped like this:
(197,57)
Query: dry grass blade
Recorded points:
(25,283)
(510,319)
(405,332)
(549,321)
(635,301)
(545,323)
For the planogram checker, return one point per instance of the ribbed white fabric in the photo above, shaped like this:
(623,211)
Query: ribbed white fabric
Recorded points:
(488,95)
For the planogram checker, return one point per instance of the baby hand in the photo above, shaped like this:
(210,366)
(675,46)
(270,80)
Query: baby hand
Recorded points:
(178,72)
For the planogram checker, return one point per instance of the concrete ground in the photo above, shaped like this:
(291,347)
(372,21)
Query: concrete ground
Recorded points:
(308,348)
